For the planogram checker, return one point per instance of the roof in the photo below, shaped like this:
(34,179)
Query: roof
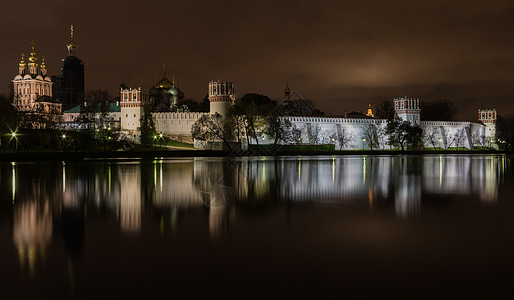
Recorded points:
(113,108)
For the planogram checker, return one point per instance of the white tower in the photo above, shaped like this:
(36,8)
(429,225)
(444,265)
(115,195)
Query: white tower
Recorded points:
(132,102)
(222,96)
(488,118)
(408,110)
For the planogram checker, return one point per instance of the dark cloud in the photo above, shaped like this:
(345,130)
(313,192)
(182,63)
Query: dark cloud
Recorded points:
(340,54)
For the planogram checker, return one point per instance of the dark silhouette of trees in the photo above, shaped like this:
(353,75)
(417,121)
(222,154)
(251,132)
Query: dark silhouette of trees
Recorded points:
(385,110)
(438,110)
(505,133)
(402,134)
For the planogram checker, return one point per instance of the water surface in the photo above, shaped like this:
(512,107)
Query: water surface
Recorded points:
(258,227)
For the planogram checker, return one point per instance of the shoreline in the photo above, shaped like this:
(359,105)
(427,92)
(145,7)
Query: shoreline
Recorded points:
(149,154)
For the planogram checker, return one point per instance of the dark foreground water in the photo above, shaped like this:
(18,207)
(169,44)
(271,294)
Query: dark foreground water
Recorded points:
(293,227)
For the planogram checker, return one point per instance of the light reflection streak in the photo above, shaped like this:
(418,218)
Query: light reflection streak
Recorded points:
(333,169)
(440,170)
(363,170)
(63,177)
(13,181)
(299,170)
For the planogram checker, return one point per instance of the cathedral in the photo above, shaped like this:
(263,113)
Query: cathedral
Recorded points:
(165,94)
(33,87)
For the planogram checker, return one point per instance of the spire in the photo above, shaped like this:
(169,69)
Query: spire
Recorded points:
(71,45)
(287,91)
(164,69)
(173,80)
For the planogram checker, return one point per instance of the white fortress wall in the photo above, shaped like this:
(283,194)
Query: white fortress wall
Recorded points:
(321,130)
(446,134)
(175,123)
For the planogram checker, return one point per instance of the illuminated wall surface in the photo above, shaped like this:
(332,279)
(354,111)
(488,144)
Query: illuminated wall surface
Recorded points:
(158,195)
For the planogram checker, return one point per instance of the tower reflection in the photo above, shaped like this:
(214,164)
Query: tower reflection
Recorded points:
(135,194)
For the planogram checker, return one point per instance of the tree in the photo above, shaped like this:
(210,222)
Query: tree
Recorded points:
(300,108)
(257,110)
(381,135)
(370,136)
(504,133)
(345,137)
(211,127)
(314,132)
(430,135)
(438,110)
(147,129)
(385,110)
(402,134)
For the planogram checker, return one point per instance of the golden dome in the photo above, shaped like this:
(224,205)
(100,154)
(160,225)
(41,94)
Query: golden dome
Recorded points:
(287,90)
(22,61)
(43,63)
(164,83)
(33,57)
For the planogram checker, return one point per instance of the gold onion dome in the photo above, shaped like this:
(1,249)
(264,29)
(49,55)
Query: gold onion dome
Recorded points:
(43,63)
(33,57)
(22,61)
(164,83)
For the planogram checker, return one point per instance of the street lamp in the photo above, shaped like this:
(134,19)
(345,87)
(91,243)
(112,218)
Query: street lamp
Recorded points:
(363,140)
(63,140)
(15,137)
(439,143)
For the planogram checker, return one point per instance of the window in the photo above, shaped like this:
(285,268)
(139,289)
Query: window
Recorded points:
(126,115)
(134,115)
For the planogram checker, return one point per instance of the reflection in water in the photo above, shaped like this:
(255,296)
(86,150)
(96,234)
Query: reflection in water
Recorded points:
(130,198)
(32,230)
(171,188)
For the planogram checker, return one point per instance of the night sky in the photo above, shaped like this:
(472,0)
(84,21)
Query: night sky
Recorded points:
(340,54)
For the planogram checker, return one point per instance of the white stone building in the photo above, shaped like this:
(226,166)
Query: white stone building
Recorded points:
(33,87)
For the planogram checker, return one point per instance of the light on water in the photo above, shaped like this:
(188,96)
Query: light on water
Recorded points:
(283,226)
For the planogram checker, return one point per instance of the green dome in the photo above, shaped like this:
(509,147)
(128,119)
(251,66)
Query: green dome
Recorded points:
(174,91)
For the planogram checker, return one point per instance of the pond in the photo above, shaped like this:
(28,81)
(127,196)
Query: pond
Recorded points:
(258,227)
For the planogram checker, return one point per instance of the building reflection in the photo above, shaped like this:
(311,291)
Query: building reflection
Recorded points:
(168,190)
(130,198)
(32,231)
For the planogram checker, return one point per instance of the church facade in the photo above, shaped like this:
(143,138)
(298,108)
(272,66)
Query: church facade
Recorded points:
(33,87)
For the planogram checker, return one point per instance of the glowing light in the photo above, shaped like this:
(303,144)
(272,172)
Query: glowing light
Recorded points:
(63,136)
(160,135)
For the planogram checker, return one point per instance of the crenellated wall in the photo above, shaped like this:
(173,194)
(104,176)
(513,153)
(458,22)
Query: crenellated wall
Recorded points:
(175,123)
